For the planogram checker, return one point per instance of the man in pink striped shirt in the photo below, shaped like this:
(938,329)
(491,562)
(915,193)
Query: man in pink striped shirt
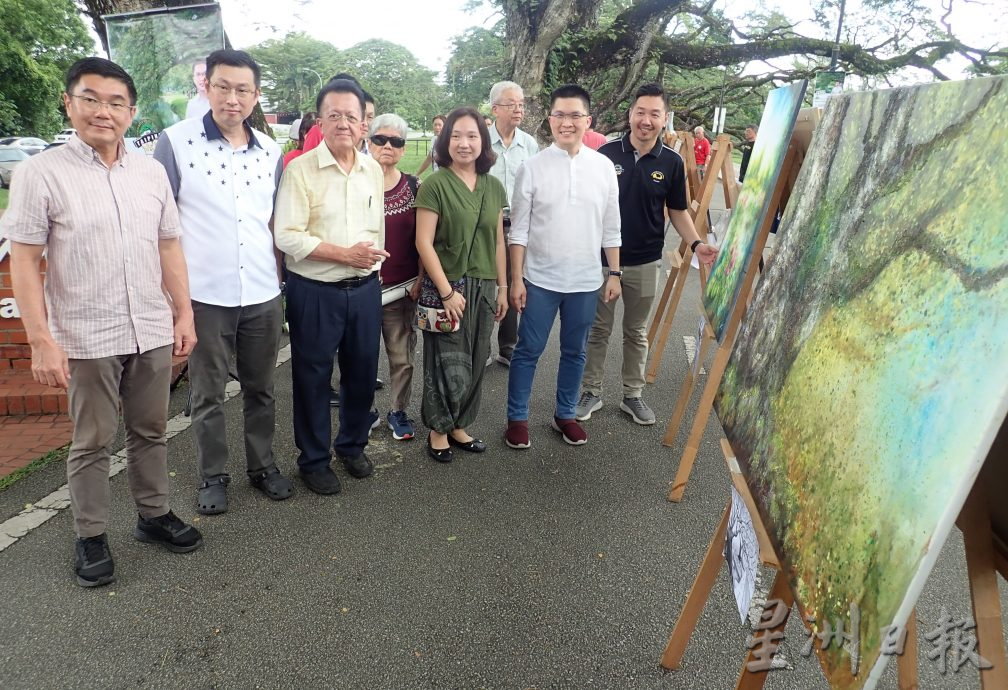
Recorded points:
(100,325)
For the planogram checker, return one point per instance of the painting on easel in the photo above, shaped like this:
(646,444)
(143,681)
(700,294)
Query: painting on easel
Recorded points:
(728,272)
(871,373)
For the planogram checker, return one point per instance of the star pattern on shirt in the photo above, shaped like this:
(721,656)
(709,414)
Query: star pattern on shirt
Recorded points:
(190,142)
(192,165)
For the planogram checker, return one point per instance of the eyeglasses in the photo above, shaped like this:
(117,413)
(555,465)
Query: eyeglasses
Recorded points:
(241,92)
(351,120)
(573,117)
(517,105)
(93,105)
(381,140)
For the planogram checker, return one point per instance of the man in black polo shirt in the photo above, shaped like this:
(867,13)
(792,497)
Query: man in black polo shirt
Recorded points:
(651,178)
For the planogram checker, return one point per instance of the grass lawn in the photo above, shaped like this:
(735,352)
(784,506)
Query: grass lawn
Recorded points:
(416,151)
(3,198)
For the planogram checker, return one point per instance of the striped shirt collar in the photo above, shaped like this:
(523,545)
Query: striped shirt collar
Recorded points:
(86,152)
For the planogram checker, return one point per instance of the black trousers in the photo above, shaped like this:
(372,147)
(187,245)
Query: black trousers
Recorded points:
(326,318)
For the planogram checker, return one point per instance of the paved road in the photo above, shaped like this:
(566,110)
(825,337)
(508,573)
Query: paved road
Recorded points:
(556,567)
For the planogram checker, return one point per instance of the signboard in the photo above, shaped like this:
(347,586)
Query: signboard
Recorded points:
(826,84)
(165,52)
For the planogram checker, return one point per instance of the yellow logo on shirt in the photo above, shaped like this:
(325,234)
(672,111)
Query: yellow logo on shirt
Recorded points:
(657,176)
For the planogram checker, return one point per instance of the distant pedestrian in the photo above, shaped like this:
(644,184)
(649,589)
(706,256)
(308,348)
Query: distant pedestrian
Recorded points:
(747,147)
(101,326)
(437,124)
(701,150)
(593,139)
(299,129)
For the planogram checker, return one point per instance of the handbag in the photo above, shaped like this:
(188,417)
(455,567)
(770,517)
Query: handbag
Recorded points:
(431,316)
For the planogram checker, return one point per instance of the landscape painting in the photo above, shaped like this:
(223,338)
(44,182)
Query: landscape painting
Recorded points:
(870,376)
(753,204)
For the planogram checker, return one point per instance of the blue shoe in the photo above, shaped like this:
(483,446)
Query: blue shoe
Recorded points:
(400,424)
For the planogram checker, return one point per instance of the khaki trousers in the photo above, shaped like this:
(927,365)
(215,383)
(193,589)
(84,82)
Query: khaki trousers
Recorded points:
(640,283)
(400,338)
(139,383)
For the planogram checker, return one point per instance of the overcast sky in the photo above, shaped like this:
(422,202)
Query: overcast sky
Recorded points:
(427,29)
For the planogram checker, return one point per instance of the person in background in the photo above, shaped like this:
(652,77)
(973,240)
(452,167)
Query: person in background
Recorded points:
(564,215)
(701,149)
(460,234)
(593,139)
(437,123)
(388,144)
(224,176)
(512,147)
(330,222)
(652,178)
(369,115)
(300,128)
(747,147)
(199,104)
(99,325)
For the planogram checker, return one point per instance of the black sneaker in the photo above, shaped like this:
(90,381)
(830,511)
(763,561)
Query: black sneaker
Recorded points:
(170,532)
(94,566)
(323,482)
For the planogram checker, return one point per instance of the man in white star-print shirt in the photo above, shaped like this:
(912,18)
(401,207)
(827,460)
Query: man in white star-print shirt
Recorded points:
(224,175)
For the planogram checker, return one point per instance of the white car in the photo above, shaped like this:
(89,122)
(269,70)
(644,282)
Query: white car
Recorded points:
(64,136)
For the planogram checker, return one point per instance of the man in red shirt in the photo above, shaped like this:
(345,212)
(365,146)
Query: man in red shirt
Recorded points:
(701,149)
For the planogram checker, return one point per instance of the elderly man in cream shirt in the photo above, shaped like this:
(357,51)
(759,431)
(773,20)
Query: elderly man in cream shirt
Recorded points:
(330,222)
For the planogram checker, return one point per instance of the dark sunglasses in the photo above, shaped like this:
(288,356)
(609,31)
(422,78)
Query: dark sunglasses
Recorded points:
(381,140)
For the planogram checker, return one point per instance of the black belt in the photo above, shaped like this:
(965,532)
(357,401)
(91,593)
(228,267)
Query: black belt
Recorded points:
(345,284)
(507,222)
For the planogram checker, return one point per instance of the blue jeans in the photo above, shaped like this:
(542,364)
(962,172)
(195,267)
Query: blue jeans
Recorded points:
(577,311)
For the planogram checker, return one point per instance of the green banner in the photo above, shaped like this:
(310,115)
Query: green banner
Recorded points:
(164,51)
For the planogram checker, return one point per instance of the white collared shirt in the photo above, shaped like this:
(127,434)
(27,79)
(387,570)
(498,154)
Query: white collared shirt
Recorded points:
(225,201)
(509,159)
(565,210)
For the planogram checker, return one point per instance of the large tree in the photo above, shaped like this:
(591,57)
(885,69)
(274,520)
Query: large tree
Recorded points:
(39,40)
(292,68)
(614,45)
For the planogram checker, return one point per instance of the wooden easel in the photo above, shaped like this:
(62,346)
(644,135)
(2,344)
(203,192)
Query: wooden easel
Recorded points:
(661,322)
(789,170)
(801,138)
(981,561)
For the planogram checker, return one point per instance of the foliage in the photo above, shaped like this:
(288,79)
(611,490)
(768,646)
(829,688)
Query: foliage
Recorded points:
(478,61)
(397,81)
(288,66)
(39,40)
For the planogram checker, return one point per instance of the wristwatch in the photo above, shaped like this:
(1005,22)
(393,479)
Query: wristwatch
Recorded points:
(696,243)
(616,273)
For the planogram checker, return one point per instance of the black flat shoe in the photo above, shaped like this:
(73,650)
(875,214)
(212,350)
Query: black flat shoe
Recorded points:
(472,446)
(442,455)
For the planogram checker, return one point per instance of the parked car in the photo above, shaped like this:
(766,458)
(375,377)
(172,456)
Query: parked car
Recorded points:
(30,145)
(10,157)
(64,136)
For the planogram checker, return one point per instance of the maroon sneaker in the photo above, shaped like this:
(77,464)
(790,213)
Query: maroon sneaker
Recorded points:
(517,435)
(571,431)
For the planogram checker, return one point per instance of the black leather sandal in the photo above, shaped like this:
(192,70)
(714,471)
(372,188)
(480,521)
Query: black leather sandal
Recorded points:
(473,445)
(212,498)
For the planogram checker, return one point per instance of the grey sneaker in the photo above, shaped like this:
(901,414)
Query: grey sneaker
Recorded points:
(588,403)
(638,409)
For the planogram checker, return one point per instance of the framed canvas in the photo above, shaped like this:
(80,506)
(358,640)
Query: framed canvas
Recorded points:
(870,376)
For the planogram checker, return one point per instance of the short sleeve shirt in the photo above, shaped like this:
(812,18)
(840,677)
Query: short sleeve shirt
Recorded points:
(646,187)
(466,236)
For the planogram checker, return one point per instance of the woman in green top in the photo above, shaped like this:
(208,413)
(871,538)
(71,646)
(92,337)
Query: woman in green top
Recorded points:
(460,233)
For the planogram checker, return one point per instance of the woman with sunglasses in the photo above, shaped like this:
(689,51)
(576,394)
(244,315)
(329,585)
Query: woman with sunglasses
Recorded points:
(387,137)
(460,234)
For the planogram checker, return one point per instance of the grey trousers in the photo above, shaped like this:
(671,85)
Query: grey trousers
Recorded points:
(640,284)
(251,334)
(140,382)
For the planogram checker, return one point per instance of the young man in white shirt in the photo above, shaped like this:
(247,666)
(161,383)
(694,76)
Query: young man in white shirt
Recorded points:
(564,209)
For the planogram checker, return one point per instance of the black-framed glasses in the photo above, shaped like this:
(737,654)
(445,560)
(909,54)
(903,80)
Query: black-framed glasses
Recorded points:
(381,140)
